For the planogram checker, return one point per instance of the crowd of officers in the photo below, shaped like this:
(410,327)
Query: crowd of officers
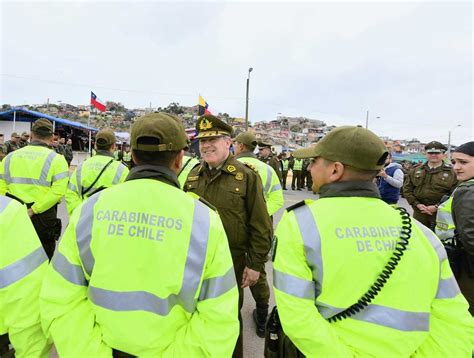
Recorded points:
(154,259)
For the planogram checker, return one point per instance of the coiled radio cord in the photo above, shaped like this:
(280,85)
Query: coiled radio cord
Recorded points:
(399,250)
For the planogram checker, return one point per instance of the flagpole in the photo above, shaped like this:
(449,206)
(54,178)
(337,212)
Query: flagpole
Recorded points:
(90,132)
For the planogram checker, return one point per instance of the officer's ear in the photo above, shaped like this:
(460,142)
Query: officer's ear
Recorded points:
(337,171)
(178,161)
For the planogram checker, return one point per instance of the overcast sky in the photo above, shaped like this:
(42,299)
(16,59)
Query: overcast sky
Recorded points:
(409,63)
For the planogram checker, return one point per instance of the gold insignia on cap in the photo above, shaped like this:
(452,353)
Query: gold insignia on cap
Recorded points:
(231,168)
(205,124)
(239,176)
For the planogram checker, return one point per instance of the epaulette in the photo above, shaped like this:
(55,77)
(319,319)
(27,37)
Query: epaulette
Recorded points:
(251,166)
(296,206)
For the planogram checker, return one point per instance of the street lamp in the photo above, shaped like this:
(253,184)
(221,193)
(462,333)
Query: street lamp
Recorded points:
(367,120)
(247,101)
(449,140)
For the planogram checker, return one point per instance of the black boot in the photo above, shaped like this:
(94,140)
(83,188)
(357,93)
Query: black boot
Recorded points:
(260,318)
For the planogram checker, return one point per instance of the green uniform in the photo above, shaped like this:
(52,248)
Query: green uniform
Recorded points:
(148,277)
(68,153)
(285,163)
(10,146)
(328,255)
(3,151)
(189,163)
(427,186)
(274,198)
(38,177)
(87,172)
(23,264)
(236,191)
(23,143)
(274,162)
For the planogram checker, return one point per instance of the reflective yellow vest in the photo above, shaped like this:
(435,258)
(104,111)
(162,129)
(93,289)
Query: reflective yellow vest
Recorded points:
(329,253)
(23,264)
(127,156)
(35,174)
(444,219)
(284,164)
(86,173)
(298,164)
(271,184)
(146,269)
(188,164)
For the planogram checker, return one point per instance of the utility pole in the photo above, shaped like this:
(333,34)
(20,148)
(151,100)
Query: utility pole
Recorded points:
(247,101)
(367,120)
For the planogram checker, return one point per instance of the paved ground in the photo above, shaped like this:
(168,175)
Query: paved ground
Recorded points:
(253,345)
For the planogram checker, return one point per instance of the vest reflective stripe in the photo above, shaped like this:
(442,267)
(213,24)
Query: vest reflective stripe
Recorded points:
(444,220)
(22,268)
(79,178)
(72,273)
(437,245)
(196,255)
(4,201)
(42,179)
(276,188)
(146,301)
(298,164)
(72,187)
(118,174)
(132,301)
(217,286)
(293,285)
(84,234)
(390,317)
(268,182)
(47,166)
(448,288)
(312,243)
(6,166)
(60,176)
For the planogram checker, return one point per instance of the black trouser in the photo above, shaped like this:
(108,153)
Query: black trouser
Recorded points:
(48,228)
(284,175)
(296,181)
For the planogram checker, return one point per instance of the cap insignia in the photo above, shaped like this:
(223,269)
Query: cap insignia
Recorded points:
(205,124)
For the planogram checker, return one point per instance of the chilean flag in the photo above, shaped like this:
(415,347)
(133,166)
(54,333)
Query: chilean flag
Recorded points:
(97,103)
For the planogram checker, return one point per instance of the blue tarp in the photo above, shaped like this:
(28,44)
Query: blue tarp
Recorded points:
(25,115)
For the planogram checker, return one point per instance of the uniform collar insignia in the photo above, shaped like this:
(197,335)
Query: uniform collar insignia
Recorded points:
(231,168)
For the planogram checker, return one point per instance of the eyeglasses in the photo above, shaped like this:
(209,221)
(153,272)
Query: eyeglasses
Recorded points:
(433,153)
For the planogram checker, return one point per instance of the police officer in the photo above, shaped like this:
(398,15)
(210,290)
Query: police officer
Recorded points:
(244,146)
(266,155)
(235,189)
(427,184)
(24,140)
(12,144)
(37,176)
(346,266)
(285,165)
(68,153)
(143,268)
(23,264)
(96,173)
(297,169)
(3,148)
